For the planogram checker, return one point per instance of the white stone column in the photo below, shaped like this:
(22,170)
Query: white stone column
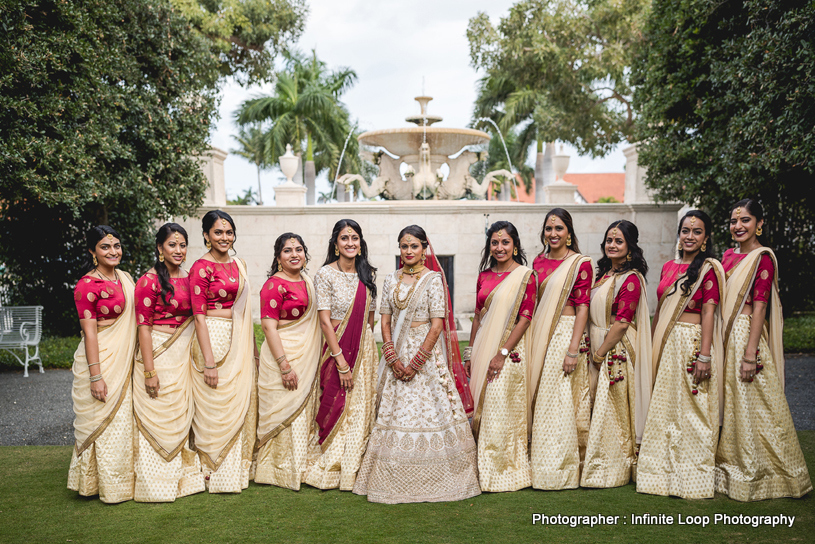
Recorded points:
(212,164)
(635,190)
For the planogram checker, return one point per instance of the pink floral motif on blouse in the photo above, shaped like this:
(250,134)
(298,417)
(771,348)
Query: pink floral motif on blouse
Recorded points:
(489,280)
(627,299)
(763,284)
(214,285)
(151,308)
(283,299)
(581,292)
(707,293)
(98,299)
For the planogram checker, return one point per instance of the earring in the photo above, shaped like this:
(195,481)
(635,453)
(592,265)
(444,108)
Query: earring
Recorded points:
(679,247)
(704,246)
(545,248)
(759,231)
(208,244)
(569,241)
(628,257)
(336,251)
(279,267)
(515,251)
(95,262)
(184,260)
(161,257)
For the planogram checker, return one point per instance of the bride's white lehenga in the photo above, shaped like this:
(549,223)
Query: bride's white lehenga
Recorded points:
(421,448)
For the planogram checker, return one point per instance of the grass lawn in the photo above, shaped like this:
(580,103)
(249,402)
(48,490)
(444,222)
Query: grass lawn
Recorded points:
(35,506)
(58,352)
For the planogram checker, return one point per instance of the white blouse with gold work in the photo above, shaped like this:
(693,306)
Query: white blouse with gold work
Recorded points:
(336,290)
(430,305)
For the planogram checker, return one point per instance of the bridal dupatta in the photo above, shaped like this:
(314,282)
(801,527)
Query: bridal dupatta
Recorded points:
(637,344)
(117,343)
(673,304)
(220,413)
(349,333)
(553,293)
(739,282)
(277,406)
(498,319)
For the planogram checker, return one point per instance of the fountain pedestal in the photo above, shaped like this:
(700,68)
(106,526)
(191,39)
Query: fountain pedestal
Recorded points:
(290,194)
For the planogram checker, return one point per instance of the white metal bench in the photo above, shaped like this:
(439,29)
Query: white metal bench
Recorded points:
(21,328)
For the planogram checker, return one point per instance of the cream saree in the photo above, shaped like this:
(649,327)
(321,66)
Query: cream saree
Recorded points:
(620,409)
(759,456)
(166,468)
(102,460)
(500,418)
(224,422)
(286,418)
(559,405)
(678,450)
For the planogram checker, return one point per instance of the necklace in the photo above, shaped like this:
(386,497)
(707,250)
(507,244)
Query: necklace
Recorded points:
(413,270)
(499,274)
(115,275)
(398,301)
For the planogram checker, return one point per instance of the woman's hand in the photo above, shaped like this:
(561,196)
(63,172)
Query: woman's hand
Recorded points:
(408,373)
(495,368)
(346,380)
(99,390)
(594,357)
(151,385)
(569,364)
(290,378)
(467,366)
(748,370)
(398,369)
(701,372)
(211,377)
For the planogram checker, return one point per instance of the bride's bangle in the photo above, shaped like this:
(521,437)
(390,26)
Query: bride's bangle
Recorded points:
(335,355)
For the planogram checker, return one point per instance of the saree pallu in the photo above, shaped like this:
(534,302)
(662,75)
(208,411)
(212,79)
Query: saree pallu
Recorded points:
(620,408)
(286,418)
(559,405)
(677,456)
(759,456)
(421,448)
(102,460)
(345,420)
(166,468)
(500,419)
(225,419)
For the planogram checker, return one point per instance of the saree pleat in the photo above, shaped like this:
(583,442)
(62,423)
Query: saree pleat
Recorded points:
(560,427)
(102,459)
(166,468)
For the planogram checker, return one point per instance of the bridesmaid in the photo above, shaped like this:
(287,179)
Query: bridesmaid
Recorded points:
(102,460)
(759,456)
(505,302)
(560,403)
(166,468)
(619,332)
(682,429)
(223,378)
(289,361)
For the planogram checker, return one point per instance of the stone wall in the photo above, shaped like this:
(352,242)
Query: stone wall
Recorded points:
(455,228)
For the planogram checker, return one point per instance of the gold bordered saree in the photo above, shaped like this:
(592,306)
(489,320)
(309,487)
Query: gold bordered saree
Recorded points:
(759,456)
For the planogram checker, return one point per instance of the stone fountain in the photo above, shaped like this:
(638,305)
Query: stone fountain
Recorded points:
(424,149)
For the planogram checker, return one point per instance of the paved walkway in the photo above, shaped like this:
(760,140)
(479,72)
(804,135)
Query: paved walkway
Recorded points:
(37,410)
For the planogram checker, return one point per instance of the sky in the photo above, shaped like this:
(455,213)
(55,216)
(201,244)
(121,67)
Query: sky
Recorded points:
(393,46)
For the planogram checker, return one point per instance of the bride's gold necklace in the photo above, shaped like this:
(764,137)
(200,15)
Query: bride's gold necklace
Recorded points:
(399,301)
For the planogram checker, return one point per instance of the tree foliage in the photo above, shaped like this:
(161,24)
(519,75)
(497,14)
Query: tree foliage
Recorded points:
(559,69)
(104,105)
(726,103)
(246,35)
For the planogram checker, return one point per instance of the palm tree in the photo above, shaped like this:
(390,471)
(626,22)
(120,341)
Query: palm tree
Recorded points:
(253,148)
(305,111)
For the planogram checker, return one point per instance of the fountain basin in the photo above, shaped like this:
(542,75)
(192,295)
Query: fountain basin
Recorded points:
(407,140)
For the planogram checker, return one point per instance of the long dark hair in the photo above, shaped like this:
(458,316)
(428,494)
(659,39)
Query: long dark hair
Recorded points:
(92,238)
(366,272)
(632,236)
(566,217)
(213,215)
(278,249)
(487,260)
(692,274)
(166,230)
(752,206)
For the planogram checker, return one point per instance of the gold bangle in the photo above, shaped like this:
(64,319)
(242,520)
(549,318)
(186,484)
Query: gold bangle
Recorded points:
(210,367)
(150,374)
(95,378)
(93,364)
(346,371)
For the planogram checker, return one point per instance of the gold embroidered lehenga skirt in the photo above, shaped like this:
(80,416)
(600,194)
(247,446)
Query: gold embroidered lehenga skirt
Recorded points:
(335,463)
(560,427)
(227,470)
(421,448)
(166,468)
(503,462)
(759,456)
(611,448)
(679,443)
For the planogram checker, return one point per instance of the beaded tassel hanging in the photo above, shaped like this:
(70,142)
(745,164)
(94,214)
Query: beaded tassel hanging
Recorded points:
(618,359)
(691,366)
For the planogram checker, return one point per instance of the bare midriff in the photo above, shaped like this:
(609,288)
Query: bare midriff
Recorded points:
(223,312)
